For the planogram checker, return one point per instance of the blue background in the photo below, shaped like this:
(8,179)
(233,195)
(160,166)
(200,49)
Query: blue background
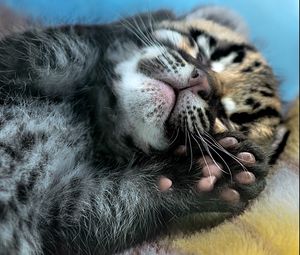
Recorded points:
(274,24)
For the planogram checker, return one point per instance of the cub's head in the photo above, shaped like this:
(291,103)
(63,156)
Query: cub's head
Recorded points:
(191,76)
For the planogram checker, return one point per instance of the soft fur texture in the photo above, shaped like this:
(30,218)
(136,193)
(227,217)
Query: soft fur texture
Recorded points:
(87,118)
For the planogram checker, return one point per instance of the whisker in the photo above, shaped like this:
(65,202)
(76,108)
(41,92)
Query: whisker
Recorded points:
(176,136)
(218,146)
(202,155)
(191,150)
(141,31)
(205,143)
(185,135)
(208,151)
(146,37)
(152,40)
(134,31)
(222,148)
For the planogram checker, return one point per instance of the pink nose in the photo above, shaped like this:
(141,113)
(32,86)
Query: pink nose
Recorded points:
(198,84)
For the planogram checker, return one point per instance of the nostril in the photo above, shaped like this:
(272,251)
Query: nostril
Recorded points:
(198,84)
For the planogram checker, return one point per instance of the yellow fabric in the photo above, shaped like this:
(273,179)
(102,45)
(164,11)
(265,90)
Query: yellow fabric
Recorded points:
(257,232)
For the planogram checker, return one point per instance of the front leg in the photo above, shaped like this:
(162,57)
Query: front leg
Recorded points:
(101,211)
(50,62)
(104,211)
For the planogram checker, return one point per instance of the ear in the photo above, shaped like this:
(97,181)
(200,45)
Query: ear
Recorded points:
(220,15)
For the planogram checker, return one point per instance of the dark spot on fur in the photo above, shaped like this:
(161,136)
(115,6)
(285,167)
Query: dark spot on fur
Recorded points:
(212,42)
(266,93)
(239,49)
(177,59)
(27,140)
(11,151)
(249,101)
(247,69)
(257,64)
(170,61)
(22,194)
(252,67)
(113,100)
(201,116)
(256,105)
(268,86)
(240,57)
(196,32)
(245,117)
(210,117)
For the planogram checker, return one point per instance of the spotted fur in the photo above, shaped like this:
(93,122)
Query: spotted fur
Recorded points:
(249,89)
(88,114)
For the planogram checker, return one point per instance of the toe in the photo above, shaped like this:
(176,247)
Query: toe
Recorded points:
(230,195)
(204,161)
(206,184)
(228,142)
(245,177)
(247,158)
(212,170)
(164,184)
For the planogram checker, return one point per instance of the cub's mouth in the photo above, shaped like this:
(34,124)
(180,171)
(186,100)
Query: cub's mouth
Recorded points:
(183,109)
(194,109)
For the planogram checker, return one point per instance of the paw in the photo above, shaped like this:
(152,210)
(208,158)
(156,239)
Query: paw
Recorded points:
(245,167)
(229,175)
